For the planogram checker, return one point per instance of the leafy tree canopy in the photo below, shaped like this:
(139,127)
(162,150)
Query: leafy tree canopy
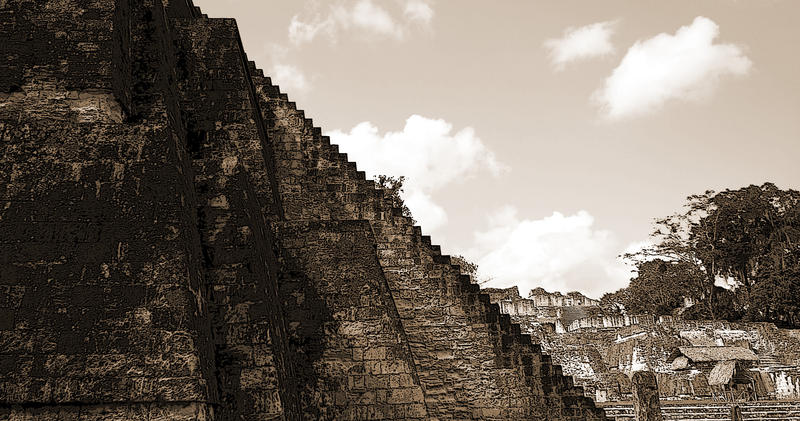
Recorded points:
(745,240)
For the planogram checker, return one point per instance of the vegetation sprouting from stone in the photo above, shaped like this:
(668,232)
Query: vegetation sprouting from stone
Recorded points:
(394,185)
(467,267)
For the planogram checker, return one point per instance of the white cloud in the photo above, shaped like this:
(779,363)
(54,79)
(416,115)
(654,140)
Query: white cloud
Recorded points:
(425,210)
(581,43)
(426,152)
(374,18)
(303,32)
(290,78)
(559,253)
(364,16)
(684,66)
(418,11)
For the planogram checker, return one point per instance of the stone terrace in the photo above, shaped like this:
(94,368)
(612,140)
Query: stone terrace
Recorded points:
(713,411)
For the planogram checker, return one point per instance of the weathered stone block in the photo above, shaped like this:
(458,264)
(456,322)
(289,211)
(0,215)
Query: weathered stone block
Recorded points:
(645,397)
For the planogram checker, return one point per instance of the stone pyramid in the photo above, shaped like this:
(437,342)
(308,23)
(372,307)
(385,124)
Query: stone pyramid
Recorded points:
(179,242)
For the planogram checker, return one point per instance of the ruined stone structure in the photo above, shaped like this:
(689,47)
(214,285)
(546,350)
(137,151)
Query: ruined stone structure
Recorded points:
(763,364)
(614,322)
(603,360)
(179,242)
(713,411)
(542,298)
(756,361)
(552,311)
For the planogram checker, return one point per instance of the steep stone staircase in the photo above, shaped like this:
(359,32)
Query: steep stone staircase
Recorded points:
(713,411)
(433,297)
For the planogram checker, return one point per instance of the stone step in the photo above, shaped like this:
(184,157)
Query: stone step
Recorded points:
(720,417)
(707,411)
(511,345)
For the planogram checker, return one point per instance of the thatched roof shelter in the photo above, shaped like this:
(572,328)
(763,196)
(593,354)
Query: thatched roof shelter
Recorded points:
(729,362)
(722,373)
(710,354)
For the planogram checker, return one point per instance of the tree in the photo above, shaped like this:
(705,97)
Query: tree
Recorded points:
(776,298)
(614,302)
(394,186)
(659,288)
(661,285)
(675,239)
(756,238)
(750,236)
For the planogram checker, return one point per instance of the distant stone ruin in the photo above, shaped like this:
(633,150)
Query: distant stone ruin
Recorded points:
(705,361)
(553,311)
(179,242)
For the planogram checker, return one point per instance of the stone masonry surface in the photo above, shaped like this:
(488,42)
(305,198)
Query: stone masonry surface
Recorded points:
(179,242)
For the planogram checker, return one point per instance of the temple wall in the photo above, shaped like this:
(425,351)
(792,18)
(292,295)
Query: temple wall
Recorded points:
(101,280)
(225,142)
(358,364)
(66,42)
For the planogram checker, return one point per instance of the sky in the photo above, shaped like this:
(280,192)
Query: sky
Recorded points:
(540,139)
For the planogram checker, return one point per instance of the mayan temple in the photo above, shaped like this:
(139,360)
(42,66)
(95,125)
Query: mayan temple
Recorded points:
(179,242)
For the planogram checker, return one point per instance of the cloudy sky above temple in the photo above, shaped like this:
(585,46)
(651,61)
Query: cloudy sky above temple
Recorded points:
(541,139)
